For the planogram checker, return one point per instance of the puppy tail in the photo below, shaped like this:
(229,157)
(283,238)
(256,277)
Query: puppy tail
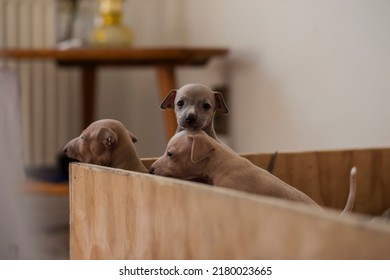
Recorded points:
(352,192)
(272,162)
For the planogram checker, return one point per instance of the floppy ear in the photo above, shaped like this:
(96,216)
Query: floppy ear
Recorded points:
(221,105)
(133,138)
(202,147)
(169,101)
(107,137)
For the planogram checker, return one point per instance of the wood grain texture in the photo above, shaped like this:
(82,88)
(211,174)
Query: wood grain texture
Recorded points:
(90,59)
(119,214)
(121,56)
(41,187)
(324,176)
(88,99)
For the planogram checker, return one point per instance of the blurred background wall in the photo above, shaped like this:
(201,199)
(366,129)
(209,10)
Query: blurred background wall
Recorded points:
(302,75)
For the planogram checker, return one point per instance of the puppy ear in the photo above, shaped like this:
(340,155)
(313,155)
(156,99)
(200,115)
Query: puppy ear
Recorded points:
(107,137)
(202,147)
(221,105)
(169,101)
(133,138)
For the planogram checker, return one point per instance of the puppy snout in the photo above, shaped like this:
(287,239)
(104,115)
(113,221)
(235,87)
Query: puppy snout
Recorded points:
(191,118)
(151,170)
(65,150)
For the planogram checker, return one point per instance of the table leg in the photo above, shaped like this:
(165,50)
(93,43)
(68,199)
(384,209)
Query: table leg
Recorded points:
(88,87)
(166,78)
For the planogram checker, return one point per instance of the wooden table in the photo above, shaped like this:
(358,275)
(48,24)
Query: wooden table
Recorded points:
(47,188)
(90,59)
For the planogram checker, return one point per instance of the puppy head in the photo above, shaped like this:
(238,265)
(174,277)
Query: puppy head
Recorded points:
(194,106)
(186,156)
(97,142)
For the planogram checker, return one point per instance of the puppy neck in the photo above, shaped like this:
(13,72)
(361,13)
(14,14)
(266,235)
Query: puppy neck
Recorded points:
(219,163)
(126,157)
(209,129)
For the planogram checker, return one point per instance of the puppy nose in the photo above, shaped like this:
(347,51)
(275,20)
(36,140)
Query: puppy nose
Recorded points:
(151,170)
(190,118)
(65,150)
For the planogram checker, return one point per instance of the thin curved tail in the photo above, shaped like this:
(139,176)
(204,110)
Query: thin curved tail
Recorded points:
(352,192)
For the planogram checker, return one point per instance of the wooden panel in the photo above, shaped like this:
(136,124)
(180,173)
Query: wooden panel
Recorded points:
(148,162)
(41,187)
(324,176)
(119,214)
(125,56)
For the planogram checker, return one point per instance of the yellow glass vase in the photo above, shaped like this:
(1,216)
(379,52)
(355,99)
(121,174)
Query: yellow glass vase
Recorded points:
(111,32)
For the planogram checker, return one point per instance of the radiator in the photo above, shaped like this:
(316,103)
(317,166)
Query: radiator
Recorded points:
(49,94)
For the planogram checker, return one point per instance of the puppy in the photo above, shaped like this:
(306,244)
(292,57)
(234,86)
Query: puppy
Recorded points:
(106,142)
(193,154)
(195,106)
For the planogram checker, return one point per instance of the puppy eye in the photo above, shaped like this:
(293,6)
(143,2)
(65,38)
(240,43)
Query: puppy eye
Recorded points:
(206,106)
(169,154)
(82,137)
(180,103)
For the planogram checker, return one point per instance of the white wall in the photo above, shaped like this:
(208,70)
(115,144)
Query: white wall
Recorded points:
(304,74)
(132,95)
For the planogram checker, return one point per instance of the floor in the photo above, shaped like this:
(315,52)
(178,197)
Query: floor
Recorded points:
(47,201)
(50,228)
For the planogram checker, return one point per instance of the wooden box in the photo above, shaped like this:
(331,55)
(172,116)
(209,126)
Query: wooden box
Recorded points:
(118,214)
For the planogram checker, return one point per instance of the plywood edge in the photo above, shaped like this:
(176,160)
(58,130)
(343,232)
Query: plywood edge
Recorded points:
(330,214)
(119,214)
(266,156)
(321,151)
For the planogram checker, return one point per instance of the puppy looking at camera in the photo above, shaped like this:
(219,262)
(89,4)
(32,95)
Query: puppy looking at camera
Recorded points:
(195,106)
(106,142)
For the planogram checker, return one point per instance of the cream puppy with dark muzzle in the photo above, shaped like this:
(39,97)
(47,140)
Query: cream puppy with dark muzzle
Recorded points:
(193,154)
(195,106)
(106,142)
